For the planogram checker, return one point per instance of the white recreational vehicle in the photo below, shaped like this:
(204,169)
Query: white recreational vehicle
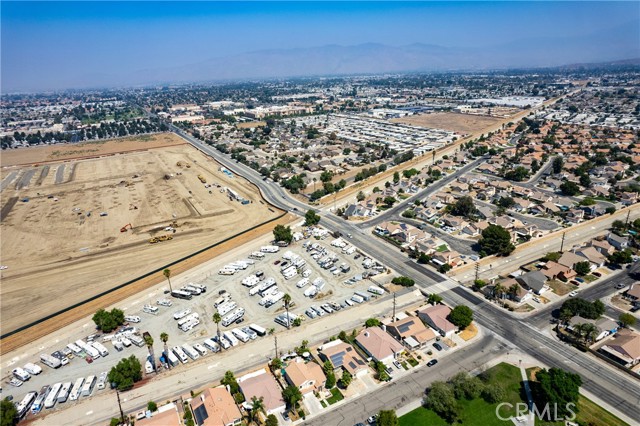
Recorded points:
(76,389)
(190,351)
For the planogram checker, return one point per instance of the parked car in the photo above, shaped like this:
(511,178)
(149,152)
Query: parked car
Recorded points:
(397,364)
(573,294)
(438,346)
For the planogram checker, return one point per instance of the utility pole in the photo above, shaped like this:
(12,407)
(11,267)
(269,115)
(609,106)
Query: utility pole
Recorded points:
(275,340)
(477,270)
(120,405)
(394,308)
(626,222)
(562,243)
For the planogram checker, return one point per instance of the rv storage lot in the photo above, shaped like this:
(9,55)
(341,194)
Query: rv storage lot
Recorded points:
(206,274)
(459,123)
(59,249)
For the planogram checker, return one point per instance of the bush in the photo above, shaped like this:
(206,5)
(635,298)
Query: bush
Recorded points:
(152,406)
(461,316)
(403,281)
(126,373)
(108,321)
(493,393)
(372,322)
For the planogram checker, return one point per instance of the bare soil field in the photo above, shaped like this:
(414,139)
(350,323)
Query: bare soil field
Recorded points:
(61,233)
(460,123)
(48,153)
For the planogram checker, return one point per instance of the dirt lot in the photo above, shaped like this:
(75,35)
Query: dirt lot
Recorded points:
(41,154)
(62,248)
(460,123)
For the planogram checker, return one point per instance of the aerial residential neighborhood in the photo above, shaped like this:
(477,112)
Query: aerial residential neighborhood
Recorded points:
(269,213)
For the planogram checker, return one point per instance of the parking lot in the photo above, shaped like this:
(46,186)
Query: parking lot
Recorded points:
(340,279)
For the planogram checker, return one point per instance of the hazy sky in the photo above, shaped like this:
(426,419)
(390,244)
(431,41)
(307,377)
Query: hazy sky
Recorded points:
(43,43)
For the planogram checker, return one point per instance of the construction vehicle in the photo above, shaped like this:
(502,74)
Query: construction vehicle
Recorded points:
(202,179)
(124,228)
(160,238)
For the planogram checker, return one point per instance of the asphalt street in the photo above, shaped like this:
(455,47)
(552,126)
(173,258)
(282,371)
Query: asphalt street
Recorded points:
(612,386)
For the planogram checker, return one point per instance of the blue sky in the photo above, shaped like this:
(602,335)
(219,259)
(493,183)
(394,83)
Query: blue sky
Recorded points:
(44,44)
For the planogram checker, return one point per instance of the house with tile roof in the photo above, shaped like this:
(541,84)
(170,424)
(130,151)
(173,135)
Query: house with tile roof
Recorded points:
(379,345)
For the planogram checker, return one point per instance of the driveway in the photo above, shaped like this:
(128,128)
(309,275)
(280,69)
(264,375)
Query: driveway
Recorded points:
(311,403)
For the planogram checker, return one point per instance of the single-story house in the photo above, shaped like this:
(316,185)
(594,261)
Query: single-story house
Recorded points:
(411,331)
(624,348)
(215,407)
(605,326)
(620,243)
(534,281)
(342,356)
(262,384)
(570,259)
(306,376)
(166,415)
(436,317)
(596,258)
(379,345)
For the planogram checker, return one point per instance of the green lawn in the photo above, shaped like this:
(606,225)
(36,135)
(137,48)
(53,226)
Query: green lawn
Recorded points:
(412,361)
(335,396)
(477,412)
(442,248)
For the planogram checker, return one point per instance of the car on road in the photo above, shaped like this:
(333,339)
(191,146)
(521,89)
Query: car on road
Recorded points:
(432,363)
(349,235)
(573,294)
(620,285)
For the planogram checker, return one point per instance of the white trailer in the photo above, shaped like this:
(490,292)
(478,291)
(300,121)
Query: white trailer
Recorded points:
(201,349)
(241,335)
(181,314)
(190,351)
(50,361)
(220,300)
(311,291)
(172,359)
(226,271)
(232,317)
(364,295)
(188,318)
(269,249)
(180,354)
(257,255)
(137,340)
(100,348)
(231,338)
(74,348)
(357,298)
(87,388)
(24,405)
(274,299)
(64,392)
(319,283)
(269,282)
(92,351)
(21,374)
(375,290)
(76,389)
(211,345)
(117,344)
(32,369)
(260,330)
(303,282)
(227,307)
(250,281)
(150,309)
(52,398)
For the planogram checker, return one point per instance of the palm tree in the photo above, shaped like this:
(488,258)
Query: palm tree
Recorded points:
(217,318)
(314,184)
(148,340)
(257,405)
(287,303)
(165,338)
(498,291)
(513,291)
(167,275)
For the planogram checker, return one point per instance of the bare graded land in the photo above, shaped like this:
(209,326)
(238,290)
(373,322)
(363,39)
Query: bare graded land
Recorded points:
(61,251)
(42,154)
(460,123)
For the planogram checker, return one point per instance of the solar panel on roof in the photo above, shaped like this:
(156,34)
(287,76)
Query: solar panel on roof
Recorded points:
(337,359)
(403,328)
(201,414)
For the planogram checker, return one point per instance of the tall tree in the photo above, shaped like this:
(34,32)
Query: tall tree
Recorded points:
(558,388)
(287,302)
(257,406)
(165,338)
(148,341)
(167,275)
(217,318)
(387,418)
(496,240)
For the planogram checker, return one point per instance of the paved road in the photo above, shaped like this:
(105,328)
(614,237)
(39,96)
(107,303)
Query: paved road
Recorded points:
(398,393)
(612,386)
(598,290)
(431,189)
